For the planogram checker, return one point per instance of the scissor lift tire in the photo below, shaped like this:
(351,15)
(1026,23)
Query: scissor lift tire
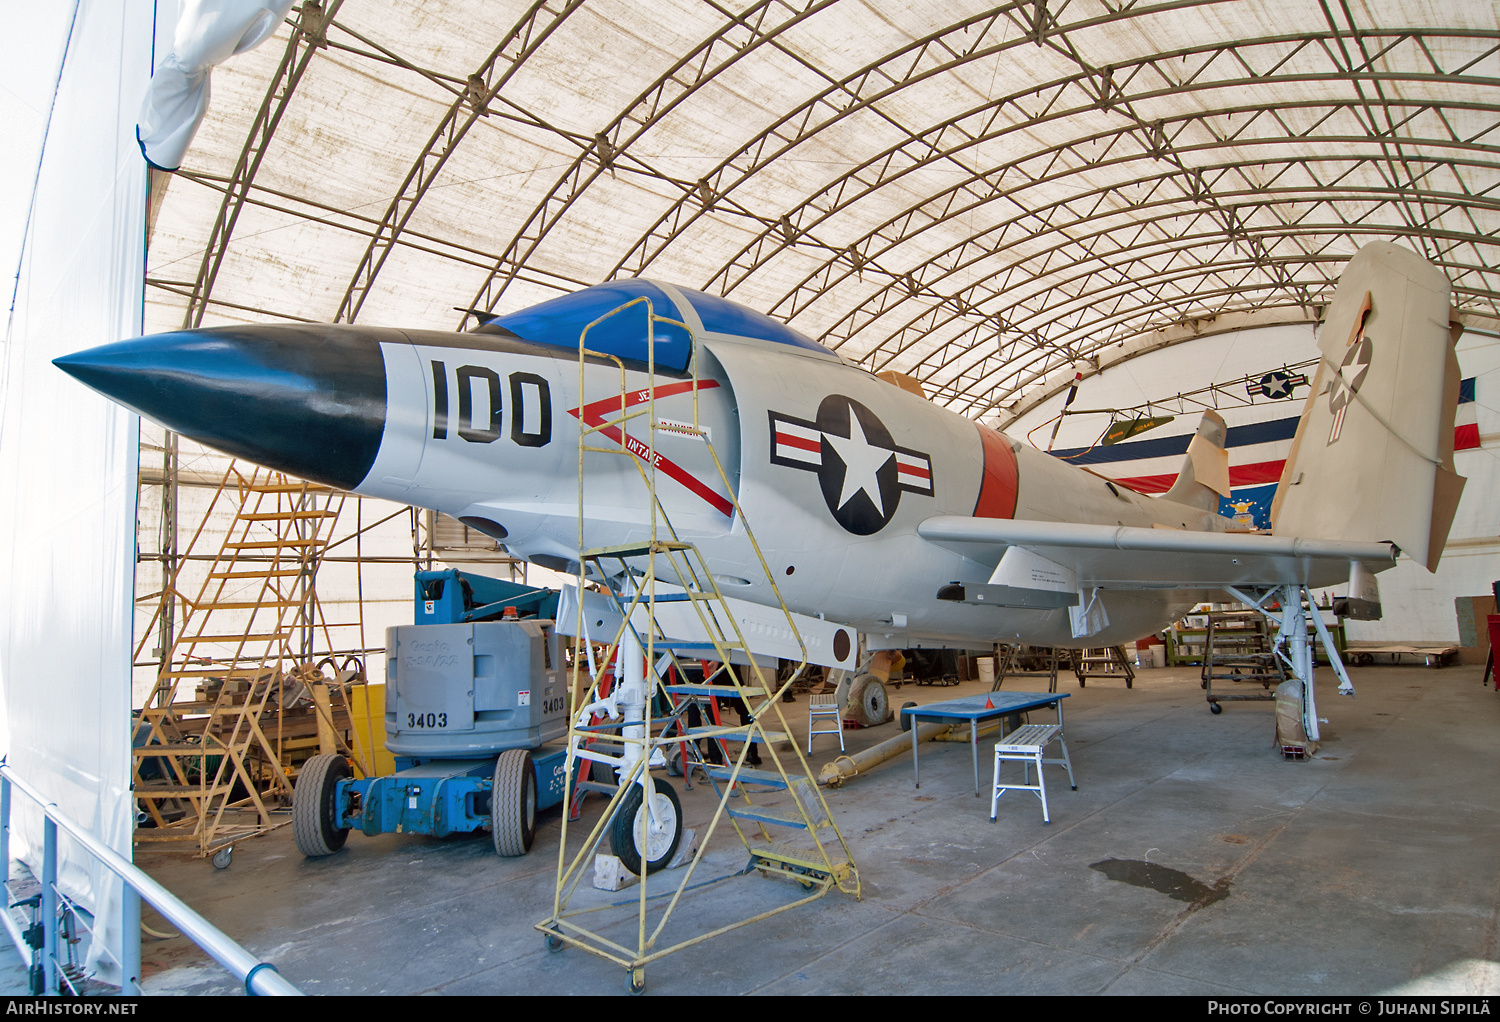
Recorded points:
(513,803)
(314,812)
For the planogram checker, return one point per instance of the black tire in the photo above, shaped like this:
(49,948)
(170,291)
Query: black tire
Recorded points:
(905,720)
(622,828)
(1215,708)
(513,804)
(314,806)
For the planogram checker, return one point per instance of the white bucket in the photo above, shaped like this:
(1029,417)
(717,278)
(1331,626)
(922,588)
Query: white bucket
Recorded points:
(986,671)
(1158,656)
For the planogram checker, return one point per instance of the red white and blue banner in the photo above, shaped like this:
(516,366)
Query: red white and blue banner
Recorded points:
(1466,423)
(1257,453)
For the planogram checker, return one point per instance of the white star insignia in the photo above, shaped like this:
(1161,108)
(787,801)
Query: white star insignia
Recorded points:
(862,461)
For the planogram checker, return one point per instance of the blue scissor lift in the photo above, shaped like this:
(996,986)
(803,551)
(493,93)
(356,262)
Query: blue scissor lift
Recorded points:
(474,690)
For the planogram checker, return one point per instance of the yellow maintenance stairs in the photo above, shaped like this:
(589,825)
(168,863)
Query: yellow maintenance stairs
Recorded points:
(785,829)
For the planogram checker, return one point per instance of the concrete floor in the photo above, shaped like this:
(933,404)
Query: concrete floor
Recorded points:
(1192,860)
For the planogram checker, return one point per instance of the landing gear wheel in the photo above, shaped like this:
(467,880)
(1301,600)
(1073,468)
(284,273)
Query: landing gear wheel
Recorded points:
(513,803)
(905,720)
(869,704)
(658,833)
(222,857)
(315,811)
(635,981)
(1215,708)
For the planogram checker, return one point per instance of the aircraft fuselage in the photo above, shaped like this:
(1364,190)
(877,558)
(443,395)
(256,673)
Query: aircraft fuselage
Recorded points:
(834,469)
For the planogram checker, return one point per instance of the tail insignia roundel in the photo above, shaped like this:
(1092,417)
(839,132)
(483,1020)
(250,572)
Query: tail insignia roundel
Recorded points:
(861,470)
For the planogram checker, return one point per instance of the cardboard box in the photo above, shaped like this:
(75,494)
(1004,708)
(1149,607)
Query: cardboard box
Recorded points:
(1473,636)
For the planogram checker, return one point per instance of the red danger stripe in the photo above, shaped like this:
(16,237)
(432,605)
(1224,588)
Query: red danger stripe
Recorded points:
(998,487)
(594,412)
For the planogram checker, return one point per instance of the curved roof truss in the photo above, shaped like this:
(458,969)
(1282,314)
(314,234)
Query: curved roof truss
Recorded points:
(987,197)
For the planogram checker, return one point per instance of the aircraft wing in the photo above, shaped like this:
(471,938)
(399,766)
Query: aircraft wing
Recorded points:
(1111,557)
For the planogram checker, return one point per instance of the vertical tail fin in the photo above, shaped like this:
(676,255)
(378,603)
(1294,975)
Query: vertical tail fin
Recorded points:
(1205,471)
(1373,455)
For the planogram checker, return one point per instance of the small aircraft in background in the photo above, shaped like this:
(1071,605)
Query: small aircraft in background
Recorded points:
(876,510)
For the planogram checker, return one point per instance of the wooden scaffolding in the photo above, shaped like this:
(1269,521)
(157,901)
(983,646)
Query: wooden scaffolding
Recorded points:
(241,698)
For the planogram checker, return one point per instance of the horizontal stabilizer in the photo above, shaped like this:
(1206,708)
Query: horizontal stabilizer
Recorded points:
(1122,557)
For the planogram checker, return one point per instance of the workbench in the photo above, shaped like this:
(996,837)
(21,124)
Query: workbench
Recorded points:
(974,709)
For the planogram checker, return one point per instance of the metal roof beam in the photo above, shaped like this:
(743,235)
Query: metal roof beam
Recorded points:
(299,53)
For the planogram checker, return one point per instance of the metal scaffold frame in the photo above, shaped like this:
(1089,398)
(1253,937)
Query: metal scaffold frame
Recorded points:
(667,569)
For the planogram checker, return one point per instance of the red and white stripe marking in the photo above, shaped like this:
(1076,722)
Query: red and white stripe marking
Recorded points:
(799,443)
(914,471)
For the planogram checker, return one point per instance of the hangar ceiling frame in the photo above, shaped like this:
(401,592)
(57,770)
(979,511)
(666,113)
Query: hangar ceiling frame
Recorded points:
(988,197)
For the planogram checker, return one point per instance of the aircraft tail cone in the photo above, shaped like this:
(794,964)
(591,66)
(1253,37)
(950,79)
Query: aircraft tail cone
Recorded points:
(306,400)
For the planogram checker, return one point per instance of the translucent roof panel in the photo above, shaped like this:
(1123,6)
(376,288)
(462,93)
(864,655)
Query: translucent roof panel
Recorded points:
(987,198)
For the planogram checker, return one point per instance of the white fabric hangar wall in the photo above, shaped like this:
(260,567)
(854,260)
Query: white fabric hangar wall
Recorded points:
(68,459)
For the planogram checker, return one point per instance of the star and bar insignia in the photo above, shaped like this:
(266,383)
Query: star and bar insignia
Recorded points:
(1276,384)
(861,470)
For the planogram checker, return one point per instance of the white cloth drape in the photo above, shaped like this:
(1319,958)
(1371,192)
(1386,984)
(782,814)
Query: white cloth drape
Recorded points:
(68,465)
(209,32)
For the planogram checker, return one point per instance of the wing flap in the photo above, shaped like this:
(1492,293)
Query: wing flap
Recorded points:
(1122,557)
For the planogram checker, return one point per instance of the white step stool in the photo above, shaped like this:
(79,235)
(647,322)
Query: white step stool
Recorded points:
(1025,745)
(825,705)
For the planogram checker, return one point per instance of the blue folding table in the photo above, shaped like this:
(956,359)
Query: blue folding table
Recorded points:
(974,709)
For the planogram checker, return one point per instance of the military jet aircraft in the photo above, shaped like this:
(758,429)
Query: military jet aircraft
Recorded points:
(877,510)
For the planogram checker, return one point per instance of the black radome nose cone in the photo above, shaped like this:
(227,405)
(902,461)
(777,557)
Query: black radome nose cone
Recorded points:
(306,400)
